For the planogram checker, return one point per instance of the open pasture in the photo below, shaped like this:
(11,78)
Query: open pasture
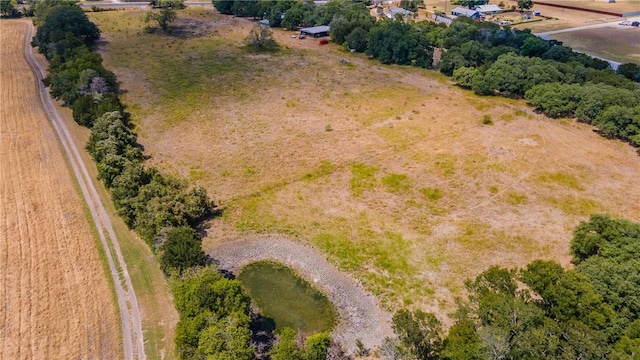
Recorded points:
(388,170)
(56,299)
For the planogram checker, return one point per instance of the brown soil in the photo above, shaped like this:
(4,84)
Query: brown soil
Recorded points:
(56,300)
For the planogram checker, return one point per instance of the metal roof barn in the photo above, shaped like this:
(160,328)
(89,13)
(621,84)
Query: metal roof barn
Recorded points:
(316,31)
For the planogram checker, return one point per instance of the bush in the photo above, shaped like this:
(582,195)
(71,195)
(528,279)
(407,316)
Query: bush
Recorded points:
(181,250)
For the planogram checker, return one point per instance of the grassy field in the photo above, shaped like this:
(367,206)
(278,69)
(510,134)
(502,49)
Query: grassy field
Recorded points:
(388,170)
(55,293)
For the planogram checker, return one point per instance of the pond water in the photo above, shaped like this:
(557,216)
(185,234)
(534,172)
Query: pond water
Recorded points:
(287,299)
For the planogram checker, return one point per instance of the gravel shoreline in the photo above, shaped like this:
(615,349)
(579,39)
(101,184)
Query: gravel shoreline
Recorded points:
(359,313)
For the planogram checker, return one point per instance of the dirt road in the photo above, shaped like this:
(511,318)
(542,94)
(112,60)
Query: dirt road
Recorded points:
(129,313)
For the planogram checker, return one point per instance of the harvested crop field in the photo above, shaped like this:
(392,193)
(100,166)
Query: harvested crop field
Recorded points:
(618,43)
(57,302)
(619,6)
(387,170)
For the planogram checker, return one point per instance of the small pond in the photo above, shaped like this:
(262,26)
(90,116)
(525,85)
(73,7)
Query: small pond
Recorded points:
(287,299)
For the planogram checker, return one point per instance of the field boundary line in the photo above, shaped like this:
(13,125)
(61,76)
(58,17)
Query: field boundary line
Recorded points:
(133,341)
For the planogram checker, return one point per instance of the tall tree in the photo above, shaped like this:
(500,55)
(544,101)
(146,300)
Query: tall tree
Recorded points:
(63,20)
(181,250)
(419,333)
(525,4)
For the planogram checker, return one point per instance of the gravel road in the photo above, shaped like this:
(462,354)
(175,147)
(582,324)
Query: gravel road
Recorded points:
(133,343)
(360,314)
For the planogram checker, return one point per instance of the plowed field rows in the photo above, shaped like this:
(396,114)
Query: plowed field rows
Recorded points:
(56,302)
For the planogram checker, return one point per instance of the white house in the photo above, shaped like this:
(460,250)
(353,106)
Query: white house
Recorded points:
(393,11)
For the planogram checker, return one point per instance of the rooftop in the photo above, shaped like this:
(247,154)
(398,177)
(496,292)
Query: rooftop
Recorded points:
(315,29)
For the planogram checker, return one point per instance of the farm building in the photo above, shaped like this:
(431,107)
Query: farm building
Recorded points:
(316,31)
(459,11)
(489,9)
(393,11)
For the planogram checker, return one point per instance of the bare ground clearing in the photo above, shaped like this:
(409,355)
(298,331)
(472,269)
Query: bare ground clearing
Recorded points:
(388,170)
(56,299)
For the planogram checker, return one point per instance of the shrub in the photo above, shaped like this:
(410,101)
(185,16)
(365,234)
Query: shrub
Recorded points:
(181,250)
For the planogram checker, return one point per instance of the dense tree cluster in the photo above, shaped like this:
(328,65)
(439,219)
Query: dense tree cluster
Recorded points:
(615,111)
(553,78)
(397,42)
(544,311)
(214,316)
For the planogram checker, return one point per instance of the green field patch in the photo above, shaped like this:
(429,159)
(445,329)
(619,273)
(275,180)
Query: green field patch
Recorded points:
(432,193)
(477,237)
(573,205)
(324,168)
(561,179)
(516,198)
(446,164)
(254,213)
(362,178)
(396,183)
(195,174)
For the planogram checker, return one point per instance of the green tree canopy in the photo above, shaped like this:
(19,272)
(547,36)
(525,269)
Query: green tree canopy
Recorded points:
(62,20)
(181,250)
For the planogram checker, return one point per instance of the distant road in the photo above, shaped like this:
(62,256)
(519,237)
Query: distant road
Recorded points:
(614,64)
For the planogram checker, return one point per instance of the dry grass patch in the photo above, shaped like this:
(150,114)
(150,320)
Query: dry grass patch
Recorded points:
(408,187)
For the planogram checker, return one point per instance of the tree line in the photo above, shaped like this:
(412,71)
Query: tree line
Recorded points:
(542,311)
(482,56)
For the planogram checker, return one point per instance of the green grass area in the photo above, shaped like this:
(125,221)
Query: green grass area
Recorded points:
(362,178)
(286,298)
(432,193)
(516,198)
(396,183)
(573,205)
(562,179)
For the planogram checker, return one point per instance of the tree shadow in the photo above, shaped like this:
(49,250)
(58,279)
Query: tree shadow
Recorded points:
(262,334)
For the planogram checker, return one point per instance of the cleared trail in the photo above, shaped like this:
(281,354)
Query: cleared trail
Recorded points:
(133,342)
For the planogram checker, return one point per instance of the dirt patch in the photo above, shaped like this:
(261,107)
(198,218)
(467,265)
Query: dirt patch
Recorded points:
(56,299)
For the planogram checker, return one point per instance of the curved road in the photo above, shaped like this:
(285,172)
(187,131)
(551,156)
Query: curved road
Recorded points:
(133,344)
